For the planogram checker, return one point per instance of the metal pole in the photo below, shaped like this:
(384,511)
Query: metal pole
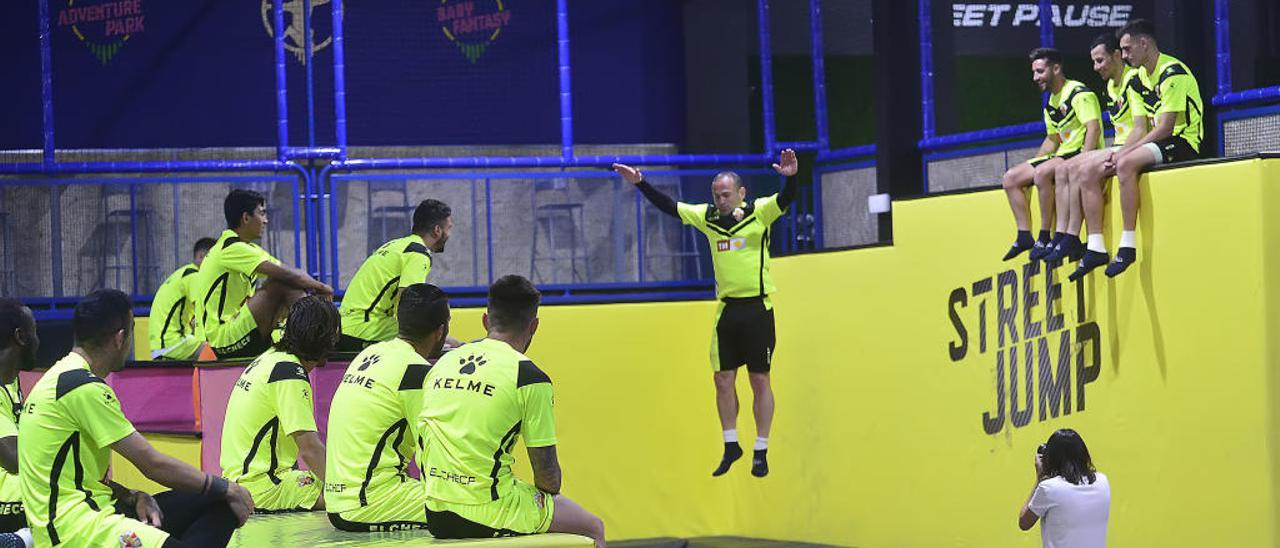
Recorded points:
(46,82)
(339,83)
(566,89)
(928,119)
(766,77)
(1222,31)
(819,74)
(282,102)
(1046,23)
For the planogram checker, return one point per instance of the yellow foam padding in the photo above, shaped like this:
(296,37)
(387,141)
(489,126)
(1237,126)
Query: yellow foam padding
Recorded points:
(141,338)
(879,437)
(313,529)
(183,448)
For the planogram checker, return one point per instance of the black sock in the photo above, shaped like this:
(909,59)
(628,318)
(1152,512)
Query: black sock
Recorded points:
(1022,243)
(1125,257)
(1044,237)
(1092,259)
(732,452)
(760,463)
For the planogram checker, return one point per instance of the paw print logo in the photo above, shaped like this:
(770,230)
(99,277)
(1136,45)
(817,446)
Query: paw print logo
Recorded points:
(368,361)
(470,364)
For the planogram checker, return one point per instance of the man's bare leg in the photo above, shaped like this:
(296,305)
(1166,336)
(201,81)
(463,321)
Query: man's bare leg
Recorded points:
(727,407)
(762,407)
(570,517)
(1128,169)
(1090,174)
(270,303)
(1046,188)
(1015,184)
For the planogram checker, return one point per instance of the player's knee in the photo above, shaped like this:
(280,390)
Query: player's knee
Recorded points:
(1011,180)
(725,380)
(759,381)
(595,526)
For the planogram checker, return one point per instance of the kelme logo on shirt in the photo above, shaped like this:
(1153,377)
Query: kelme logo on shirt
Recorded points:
(470,364)
(732,244)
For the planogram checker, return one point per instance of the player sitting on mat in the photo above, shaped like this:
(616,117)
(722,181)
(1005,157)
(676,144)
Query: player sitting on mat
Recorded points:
(72,421)
(237,319)
(373,422)
(478,401)
(270,420)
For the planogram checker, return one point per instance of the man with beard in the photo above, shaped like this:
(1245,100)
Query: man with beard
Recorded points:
(369,306)
(18,347)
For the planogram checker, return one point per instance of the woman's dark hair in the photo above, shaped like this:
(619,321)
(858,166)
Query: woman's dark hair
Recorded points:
(1066,455)
(312,329)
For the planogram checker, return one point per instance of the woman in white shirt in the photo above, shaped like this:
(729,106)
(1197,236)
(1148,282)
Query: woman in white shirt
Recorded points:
(1072,498)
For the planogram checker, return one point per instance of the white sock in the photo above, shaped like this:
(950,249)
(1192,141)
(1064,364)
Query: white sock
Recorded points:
(1096,243)
(25,535)
(731,436)
(761,443)
(1129,238)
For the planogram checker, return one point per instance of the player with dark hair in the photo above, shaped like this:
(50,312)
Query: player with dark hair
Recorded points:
(18,347)
(72,421)
(238,320)
(373,422)
(270,421)
(174,332)
(477,402)
(369,305)
(1073,123)
(1173,100)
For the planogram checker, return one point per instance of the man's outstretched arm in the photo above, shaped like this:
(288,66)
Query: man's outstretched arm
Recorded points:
(659,200)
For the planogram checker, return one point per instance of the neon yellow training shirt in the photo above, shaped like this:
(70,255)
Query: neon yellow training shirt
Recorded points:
(373,424)
(739,249)
(478,400)
(370,303)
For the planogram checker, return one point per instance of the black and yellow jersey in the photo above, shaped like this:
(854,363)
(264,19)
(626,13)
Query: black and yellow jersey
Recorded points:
(369,305)
(1174,89)
(69,422)
(477,401)
(373,424)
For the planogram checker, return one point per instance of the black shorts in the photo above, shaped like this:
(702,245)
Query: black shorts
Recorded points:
(381,527)
(744,335)
(448,525)
(1175,149)
(352,344)
(249,346)
(12,517)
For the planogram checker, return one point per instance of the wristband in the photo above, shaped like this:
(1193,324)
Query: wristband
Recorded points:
(218,487)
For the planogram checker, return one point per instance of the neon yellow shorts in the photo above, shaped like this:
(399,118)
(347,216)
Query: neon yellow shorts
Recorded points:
(398,508)
(101,528)
(524,510)
(238,337)
(297,491)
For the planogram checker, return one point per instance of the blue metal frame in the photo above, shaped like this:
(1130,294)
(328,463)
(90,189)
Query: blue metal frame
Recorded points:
(55,214)
(1239,114)
(335,179)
